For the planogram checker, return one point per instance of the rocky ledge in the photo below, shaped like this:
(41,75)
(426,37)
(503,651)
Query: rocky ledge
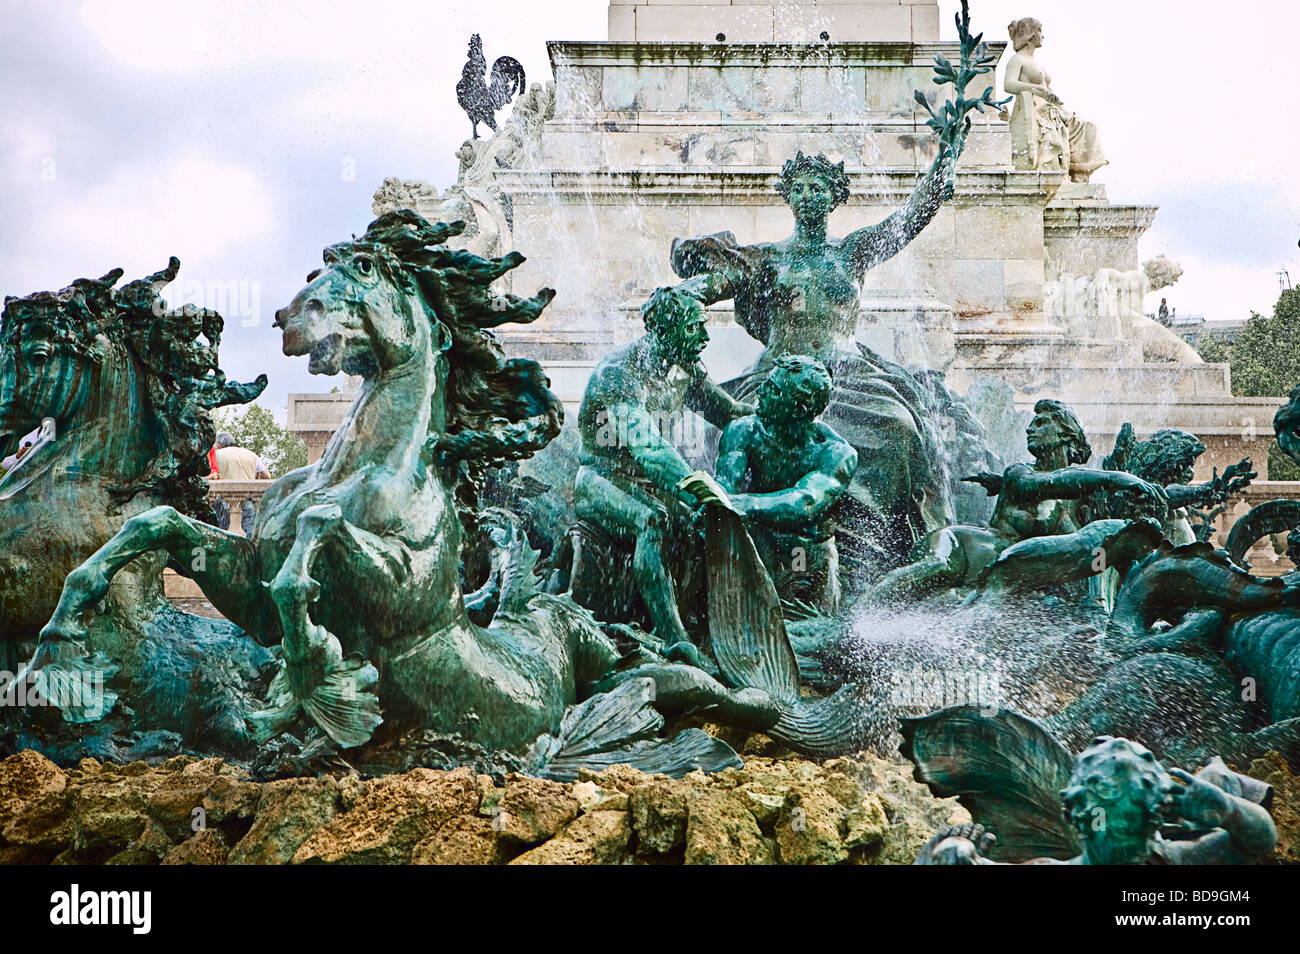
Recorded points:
(192,811)
(860,810)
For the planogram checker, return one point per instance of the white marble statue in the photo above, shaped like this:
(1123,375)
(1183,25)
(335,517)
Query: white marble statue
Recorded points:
(1045,135)
(1110,303)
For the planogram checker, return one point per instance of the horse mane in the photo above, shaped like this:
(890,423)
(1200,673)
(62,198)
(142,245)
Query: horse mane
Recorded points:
(498,408)
(176,351)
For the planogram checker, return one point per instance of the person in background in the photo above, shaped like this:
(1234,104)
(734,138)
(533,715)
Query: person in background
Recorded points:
(1163,314)
(236,463)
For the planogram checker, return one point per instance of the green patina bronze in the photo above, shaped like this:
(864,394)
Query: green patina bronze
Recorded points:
(391,591)
(629,486)
(1275,516)
(353,567)
(1167,458)
(800,296)
(1043,530)
(125,387)
(784,471)
(353,561)
(1112,805)
(1191,628)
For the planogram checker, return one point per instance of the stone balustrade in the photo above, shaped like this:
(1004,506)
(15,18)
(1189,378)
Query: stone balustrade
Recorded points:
(235,492)
(1266,558)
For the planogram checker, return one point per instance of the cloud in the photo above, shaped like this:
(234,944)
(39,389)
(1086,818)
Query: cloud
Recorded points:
(1232,223)
(195,207)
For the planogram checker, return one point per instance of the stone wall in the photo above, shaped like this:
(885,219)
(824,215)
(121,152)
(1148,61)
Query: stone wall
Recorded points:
(774,20)
(185,811)
(772,811)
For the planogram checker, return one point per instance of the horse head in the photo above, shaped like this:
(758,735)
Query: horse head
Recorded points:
(120,364)
(398,294)
(360,313)
(51,345)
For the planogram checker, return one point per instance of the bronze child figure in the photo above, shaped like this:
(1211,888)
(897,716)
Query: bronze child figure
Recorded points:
(784,471)
(1118,799)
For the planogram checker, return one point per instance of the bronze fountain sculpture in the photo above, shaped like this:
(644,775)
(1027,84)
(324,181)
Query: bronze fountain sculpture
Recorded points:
(392,591)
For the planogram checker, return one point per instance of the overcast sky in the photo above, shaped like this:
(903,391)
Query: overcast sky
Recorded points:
(243,138)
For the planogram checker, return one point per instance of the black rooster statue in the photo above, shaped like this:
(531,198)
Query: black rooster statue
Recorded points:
(481,100)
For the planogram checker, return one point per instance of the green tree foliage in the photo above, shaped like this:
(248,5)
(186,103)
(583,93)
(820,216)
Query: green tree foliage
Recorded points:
(1265,357)
(1280,466)
(257,429)
(1213,349)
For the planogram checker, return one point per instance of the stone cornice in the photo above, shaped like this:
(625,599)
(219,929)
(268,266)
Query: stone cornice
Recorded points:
(617,53)
(861,121)
(754,186)
(1113,219)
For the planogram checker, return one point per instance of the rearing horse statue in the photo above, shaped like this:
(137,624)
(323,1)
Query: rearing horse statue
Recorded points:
(126,386)
(354,563)
(123,388)
(361,550)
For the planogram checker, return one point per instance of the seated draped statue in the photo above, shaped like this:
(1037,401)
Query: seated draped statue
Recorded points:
(1042,531)
(784,471)
(1044,134)
(628,484)
(1116,802)
(800,296)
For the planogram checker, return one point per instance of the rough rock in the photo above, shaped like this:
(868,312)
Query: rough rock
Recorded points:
(24,777)
(287,813)
(859,810)
(868,823)
(23,855)
(658,810)
(230,797)
(396,813)
(721,830)
(178,801)
(531,810)
(464,840)
(207,847)
(154,842)
(596,838)
(811,830)
(913,814)
(592,798)
(1286,804)
(45,820)
(133,855)
(111,812)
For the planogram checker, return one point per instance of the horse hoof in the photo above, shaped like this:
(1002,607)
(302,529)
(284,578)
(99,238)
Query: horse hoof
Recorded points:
(58,646)
(288,591)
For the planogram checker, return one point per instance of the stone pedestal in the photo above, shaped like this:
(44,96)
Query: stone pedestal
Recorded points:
(650,141)
(315,418)
(774,21)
